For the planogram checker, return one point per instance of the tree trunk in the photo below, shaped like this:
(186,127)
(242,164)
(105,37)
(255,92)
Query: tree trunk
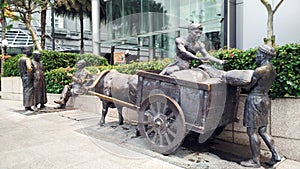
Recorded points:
(270,40)
(33,35)
(3,37)
(3,25)
(81,33)
(270,31)
(43,24)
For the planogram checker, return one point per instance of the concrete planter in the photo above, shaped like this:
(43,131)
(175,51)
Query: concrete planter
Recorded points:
(11,88)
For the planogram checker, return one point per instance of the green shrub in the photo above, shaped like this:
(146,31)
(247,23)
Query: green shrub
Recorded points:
(54,64)
(10,66)
(93,60)
(154,65)
(53,59)
(56,79)
(287,65)
(237,59)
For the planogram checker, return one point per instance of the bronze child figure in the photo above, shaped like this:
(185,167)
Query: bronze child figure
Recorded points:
(258,107)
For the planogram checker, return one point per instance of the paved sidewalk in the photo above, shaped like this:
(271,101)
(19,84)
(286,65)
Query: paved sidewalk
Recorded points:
(51,141)
(58,140)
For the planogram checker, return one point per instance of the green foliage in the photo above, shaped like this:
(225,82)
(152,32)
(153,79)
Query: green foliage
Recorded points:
(237,59)
(53,59)
(73,8)
(154,65)
(93,69)
(10,66)
(287,65)
(54,64)
(93,60)
(56,79)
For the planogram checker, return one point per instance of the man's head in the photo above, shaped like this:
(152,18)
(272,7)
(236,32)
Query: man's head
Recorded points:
(81,64)
(27,51)
(195,31)
(36,55)
(265,52)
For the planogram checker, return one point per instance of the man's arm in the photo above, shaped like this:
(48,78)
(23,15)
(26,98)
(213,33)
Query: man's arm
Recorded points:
(181,48)
(206,55)
(75,79)
(28,64)
(257,74)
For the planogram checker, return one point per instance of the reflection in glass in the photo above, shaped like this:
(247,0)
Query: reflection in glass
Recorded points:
(161,21)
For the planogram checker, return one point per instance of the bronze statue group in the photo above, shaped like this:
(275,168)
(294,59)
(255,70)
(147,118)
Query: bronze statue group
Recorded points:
(34,84)
(33,80)
(257,107)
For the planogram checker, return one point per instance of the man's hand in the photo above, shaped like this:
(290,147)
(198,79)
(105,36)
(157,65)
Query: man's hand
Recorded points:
(69,74)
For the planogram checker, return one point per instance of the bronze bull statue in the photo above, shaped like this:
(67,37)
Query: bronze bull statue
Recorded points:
(116,85)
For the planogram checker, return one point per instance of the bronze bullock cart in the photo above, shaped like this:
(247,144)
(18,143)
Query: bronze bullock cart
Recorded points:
(170,107)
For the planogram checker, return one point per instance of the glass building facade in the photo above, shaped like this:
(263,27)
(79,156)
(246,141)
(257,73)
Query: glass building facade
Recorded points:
(152,25)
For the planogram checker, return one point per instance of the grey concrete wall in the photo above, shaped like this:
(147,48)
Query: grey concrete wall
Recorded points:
(11,89)
(284,121)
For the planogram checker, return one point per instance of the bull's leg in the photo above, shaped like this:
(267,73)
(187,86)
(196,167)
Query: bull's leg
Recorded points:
(105,106)
(121,119)
(137,131)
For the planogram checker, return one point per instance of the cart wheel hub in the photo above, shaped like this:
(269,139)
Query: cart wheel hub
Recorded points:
(159,122)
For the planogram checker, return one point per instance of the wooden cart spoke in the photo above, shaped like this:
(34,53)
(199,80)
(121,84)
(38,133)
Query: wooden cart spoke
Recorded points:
(160,137)
(149,113)
(171,116)
(169,131)
(146,122)
(153,111)
(167,138)
(150,131)
(154,138)
(164,111)
(158,107)
(173,123)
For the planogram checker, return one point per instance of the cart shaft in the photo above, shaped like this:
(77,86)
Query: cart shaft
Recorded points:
(115,101)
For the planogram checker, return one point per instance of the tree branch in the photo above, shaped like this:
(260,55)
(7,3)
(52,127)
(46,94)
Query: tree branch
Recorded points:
(266,4)
(277,6)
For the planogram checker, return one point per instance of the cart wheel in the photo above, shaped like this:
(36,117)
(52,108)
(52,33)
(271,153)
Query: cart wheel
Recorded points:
(162,123)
